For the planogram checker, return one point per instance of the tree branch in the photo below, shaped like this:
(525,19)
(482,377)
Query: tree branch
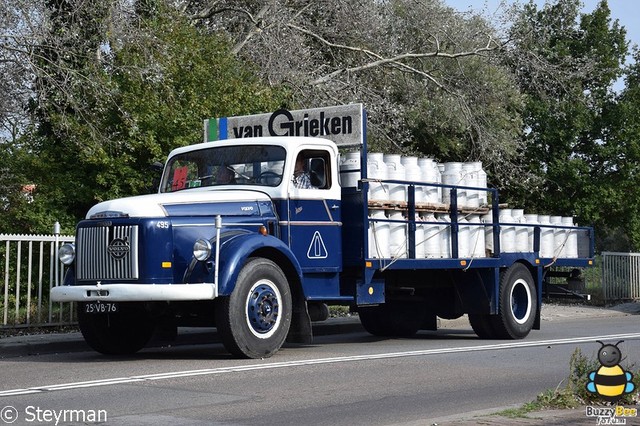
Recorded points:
(395,60)
(257,22)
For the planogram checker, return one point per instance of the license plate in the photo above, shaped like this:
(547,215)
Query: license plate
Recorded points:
(98,307)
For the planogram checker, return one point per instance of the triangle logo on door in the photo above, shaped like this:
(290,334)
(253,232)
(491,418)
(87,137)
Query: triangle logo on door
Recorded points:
(317,249)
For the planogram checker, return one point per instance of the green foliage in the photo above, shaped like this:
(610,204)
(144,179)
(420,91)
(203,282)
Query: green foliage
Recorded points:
(624,145)
(118,85)
(33,313)
(469,108)
(486,127)
(124,108)
(520,412)
(339,311)
(593,282)
(579,368)
(570,111)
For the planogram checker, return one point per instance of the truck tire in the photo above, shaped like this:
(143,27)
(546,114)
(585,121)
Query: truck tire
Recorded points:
(393,319)
(121,333)
(482,325)
(518,303)
(254,320)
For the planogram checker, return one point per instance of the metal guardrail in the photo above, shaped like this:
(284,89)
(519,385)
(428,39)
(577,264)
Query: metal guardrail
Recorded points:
(30,268)
(621,276)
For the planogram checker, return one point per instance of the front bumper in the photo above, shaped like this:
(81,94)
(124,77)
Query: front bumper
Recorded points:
(134,292)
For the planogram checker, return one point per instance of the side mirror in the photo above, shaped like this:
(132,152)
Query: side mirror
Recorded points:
(157,168)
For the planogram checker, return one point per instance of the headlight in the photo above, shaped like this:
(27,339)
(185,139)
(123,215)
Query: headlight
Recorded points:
(67,253)
(202,250)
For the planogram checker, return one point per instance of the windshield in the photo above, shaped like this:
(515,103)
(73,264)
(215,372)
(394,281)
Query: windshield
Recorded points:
(225,165)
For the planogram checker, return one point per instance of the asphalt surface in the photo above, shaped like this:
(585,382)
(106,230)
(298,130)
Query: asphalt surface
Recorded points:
(51,343)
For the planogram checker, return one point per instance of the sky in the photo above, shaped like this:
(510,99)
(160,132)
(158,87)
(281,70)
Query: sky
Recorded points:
(626,11)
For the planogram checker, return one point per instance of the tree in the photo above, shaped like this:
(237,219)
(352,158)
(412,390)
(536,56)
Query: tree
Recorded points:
(17,21)
(428,76)
(120,84)
(128,101)
(623,167)
(566,64)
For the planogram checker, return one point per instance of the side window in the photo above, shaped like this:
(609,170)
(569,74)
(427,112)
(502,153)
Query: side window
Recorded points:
(312,170)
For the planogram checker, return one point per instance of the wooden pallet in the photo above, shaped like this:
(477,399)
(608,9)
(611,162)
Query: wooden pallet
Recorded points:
(426,207)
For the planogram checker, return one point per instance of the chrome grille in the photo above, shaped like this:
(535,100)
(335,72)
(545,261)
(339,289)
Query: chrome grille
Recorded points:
(107,253)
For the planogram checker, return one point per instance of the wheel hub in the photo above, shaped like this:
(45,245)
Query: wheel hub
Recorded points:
(262,309)
(520,302)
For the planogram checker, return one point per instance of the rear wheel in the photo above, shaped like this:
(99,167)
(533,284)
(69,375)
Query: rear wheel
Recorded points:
(393,319)
(518,303)
(254,320)
(482,325)
(117,333)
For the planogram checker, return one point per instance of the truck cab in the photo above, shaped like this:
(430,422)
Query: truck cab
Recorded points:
(232,238)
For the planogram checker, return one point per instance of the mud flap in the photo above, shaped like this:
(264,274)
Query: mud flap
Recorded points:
(300,330)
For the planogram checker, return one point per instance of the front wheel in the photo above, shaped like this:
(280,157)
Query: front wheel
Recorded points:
(518,303)
(120,333)
(254,320)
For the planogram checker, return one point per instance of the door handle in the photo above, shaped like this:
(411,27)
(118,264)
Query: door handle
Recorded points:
(335,207)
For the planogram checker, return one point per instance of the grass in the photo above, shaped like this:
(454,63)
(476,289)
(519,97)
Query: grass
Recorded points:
(520,412)
(33,315)
(574,393)
(28,331)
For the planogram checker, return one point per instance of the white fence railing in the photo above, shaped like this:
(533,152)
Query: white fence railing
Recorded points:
(29,267)
(621,276)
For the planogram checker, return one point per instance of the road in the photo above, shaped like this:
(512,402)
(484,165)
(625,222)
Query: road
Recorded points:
(350,378)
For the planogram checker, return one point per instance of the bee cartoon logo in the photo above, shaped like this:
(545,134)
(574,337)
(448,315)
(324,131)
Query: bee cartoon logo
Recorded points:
(610,381)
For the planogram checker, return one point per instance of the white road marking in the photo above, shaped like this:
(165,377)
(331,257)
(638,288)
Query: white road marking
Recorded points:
(307,362)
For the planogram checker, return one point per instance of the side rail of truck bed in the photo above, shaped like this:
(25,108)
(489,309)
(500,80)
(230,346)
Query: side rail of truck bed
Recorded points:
(397,234)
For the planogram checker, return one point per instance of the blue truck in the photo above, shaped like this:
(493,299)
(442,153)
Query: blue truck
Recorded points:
(235,239)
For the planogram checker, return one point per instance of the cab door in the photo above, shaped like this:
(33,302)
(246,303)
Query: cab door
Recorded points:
(314,216)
